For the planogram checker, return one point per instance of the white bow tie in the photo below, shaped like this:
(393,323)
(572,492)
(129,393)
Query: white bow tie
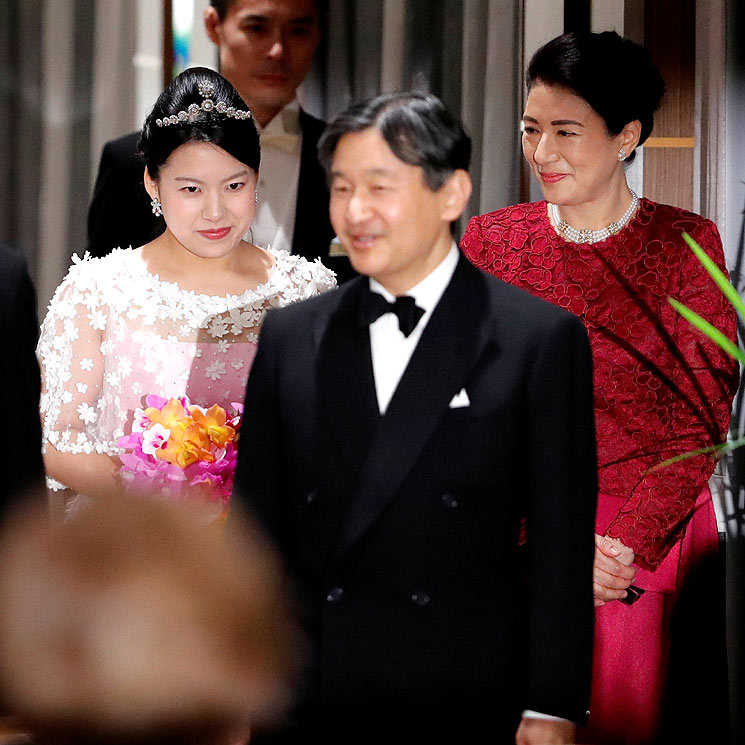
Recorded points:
(285,142)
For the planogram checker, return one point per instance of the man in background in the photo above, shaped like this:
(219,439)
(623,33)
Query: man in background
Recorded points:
(20,435)
(266,48)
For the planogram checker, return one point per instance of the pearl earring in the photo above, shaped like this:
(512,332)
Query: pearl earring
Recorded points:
(621,154)
(157,207)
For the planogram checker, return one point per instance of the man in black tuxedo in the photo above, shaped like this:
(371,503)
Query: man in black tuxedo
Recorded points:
(20,433)
(266,48)
(396,433)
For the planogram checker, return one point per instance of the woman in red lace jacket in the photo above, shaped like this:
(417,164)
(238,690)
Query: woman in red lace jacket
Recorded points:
(661,388)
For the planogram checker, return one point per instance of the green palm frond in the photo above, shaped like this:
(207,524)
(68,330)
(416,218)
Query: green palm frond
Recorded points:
(711,331)
(719,338)
(717,275)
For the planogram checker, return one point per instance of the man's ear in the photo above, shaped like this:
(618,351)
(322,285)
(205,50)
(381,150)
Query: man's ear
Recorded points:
(456,192)
(211,23)
(151,186)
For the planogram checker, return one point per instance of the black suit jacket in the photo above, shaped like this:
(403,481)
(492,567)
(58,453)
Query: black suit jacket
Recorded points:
(120,213)
(20,435)
(401,530)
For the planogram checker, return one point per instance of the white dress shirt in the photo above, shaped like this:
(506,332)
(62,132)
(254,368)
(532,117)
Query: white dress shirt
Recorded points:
(279,173)
(391,350)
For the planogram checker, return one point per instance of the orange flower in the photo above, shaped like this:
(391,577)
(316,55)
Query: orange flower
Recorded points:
(187,444)
(213,420)
(172,414)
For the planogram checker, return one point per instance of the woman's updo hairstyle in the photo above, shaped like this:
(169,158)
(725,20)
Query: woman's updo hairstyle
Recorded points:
(614,75)
(238,137)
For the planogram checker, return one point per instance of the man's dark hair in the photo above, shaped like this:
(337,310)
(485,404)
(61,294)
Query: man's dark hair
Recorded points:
(614,75)
(416,127)
(223,6)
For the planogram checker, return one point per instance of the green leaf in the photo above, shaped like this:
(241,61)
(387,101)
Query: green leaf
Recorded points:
(717,275)
(711,450)
(711,331)
(718,450)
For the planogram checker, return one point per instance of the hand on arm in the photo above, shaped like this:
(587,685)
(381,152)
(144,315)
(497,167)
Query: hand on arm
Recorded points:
(92,474)
(533,731)
(612,571)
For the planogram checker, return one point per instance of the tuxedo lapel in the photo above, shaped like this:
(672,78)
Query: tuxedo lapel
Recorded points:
(348,406)
(449,347)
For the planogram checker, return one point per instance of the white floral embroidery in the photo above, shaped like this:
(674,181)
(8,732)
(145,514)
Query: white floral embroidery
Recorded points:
(86,413)
(240,320)
(223,345)
(86,364)
(216,370)
(218,327)
(198,353)
(237,365)
(97,319)
(125,367)
(82,387)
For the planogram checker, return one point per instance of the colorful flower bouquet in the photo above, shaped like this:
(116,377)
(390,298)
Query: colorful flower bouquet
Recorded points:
(181,451)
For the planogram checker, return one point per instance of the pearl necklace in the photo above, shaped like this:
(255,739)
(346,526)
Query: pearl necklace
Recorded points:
(593,236)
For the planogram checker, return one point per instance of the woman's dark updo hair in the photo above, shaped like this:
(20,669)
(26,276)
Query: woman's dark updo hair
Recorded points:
(238,137)
(614,75)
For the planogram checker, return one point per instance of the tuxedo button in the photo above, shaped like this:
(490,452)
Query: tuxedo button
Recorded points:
(310,497)
(335,594)
(449,501)
(420,598)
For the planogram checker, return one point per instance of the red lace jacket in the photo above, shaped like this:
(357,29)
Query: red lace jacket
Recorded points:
(661,387)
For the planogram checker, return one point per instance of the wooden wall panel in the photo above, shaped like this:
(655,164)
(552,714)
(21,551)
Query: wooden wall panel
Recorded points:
(668,175)
(669,34)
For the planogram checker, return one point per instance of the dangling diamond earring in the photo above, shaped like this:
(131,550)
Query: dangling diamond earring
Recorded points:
(256,196)
(621,154)
(157,206)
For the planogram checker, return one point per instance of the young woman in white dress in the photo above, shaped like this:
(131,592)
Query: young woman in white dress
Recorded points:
(178,316)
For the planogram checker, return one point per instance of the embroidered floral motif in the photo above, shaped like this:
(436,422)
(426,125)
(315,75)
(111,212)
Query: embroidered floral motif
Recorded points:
(218,327)
(87,413)
(216,370)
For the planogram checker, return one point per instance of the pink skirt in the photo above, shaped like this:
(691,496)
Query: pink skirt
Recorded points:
(632,642)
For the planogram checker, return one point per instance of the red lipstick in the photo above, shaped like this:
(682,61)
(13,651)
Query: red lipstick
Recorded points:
(215,235)
(552,177)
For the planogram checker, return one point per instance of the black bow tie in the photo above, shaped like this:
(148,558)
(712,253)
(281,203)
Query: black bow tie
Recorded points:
(373,305)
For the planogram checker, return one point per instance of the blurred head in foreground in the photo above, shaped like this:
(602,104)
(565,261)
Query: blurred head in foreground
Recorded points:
(134,623)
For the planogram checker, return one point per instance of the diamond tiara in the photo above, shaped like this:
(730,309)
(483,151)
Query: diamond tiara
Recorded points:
(206,91)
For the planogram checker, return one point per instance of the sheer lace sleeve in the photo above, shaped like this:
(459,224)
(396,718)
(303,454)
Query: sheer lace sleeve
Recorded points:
(73,366)
(303,278)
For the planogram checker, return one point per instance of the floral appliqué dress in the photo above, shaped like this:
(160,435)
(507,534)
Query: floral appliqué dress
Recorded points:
(115,333)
